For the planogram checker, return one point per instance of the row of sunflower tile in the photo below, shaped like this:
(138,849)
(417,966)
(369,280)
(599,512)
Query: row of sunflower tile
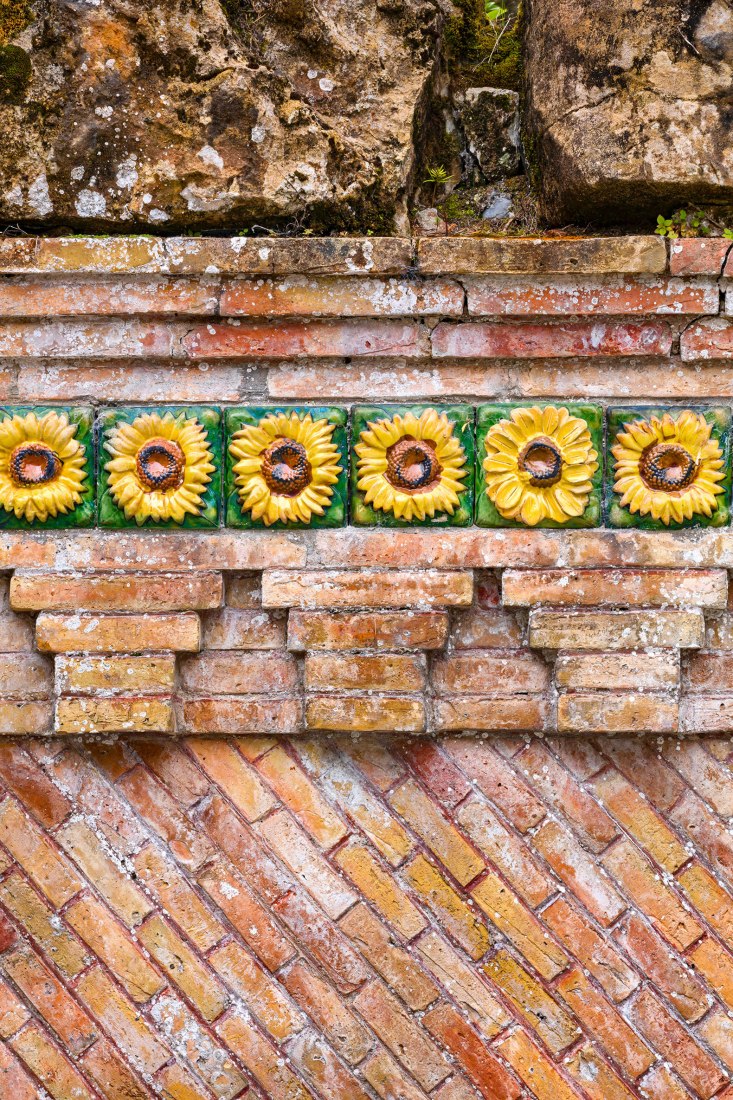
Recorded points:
(507,465)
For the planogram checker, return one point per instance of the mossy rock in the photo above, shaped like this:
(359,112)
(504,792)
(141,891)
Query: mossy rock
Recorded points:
(15,74)
(15,15)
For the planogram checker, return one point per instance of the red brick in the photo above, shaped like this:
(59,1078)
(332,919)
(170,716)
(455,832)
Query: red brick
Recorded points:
(698,256)
(592,949)
(498,781)
(326,943)
(710,338)
(527,340)
(51,1000)
(237,714)
(116,592)
(340,589)
(615,588)
(158,809)
(608,297)
(578,871)
(230,892)
(663,967)
(696,1068)
(407,1041)
(294,340)
(488,674)
(400,971)
(367,630)
(487,1073)
(300,295)
(316,997)
(24,778)
(549,779)
(608,1027)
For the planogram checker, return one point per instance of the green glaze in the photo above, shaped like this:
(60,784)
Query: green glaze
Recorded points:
(487,514)
(461,416)
(336,513)
(84,513)
(112,516)
(719,417)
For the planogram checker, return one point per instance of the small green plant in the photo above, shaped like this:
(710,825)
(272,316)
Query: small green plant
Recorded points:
(728,234)
(498,21)
(494,12)
(695,223)
(437,175)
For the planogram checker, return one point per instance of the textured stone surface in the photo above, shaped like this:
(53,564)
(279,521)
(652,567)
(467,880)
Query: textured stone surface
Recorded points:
(627,106)
(211,113)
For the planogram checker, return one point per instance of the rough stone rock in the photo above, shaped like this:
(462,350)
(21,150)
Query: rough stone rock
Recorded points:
(489,118)
(629,106)
(201,114)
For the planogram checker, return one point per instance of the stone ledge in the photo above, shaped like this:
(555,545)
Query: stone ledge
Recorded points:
(334,255)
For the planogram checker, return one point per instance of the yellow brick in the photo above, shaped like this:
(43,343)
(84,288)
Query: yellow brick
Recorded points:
(295,790)
(553,1025)
(115,591)
(80,715)
(464,985)
(519,925)
(115,675)
(364,714)
(381,889)
(117,888)
(183,967)
(441,837)
(51,872)
(96,926)
(453,913)
(616,630)
(90,633)
(386,672)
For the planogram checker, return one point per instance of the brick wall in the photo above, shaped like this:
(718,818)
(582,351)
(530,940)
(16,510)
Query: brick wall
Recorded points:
(365,811)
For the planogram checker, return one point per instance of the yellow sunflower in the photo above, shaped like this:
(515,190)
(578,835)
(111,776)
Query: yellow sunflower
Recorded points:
(160,467)
(539,465)
(285,467)
(411,466)
(42,466)
(668,467)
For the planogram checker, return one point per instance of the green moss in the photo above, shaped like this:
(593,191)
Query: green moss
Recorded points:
(15,74)
(15,15)
(470,44)
(457,208)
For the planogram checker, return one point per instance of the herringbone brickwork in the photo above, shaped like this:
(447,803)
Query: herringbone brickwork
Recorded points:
(343,919)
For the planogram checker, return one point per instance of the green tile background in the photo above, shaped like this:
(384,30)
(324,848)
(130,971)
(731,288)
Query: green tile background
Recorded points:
(487,514)
(336,513)
(84,514)
(112,516)
(617,516)
(462,416)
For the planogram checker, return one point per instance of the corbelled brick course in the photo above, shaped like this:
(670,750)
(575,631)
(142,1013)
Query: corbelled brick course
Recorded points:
(373,813)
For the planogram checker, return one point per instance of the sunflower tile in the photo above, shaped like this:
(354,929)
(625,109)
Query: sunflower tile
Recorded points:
(46,467)
(668,468)
(539,465)
(412,465)
(286,467)
(159,467)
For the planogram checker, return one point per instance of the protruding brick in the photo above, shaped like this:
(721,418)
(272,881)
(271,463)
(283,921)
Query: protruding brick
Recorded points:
(388,672)
(615,588)
(379,630)
(116,592)
(365,714)
(341,589)
(646,671)
(89,633)
(82,715)
(115,675)
(562,340)
(711,338)
(698,256)
(518,256)
(302,295)
(603,712)
(616,630)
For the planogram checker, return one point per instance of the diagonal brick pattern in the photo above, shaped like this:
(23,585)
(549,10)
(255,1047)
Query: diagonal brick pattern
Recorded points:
(341,919)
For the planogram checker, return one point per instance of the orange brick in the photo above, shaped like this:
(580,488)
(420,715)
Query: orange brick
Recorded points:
(227,830)
(262,1059)
(25,676)
(605,713)
(615,630)
(463,983)
(306,863)
(470,673)
(230,628)
(479,629)
(22,776)
(14,1079)
(258,990)
(365,714)
(531,1001)
(81,715)
(24,719)
(160,812)
(96,926)
(454,914)
(118,890)
(535,1068)
(558,787)
(230,892)
(48,1064)
(666,971)
(595,1076)
(302,798)
(367,630)
(645,888)
(119,1018)
(494,714)
(639,819)
(318,1063)
(41,922)
(709,778)
(716,964)
(593,950)
(615,588)
(326,943)
(238,779)
(441,837)
(605,1024)
(498,781)
(116,591)
(192,1042)
(239,714)
(705,831)
(696,1068)
(387,1079)
(717,1031)
(13,1013)
(399,970)
(175,770)
(487,1072)
(73,1028)
(618,671)
(115,675)
(110,1074)
(342,589)
(183,967)
(301,295)
(568,860)
(661,1084)
(47,868)
(400,1034)
(520,926)
(346,1034)
(709,898)
(508,853)
(233,673)
(387,672)
(89,633)
(378,886)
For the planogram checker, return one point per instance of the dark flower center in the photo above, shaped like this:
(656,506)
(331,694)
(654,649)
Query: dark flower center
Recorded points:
(541,458)
(667,466)
(34,464)
(412,465)
(160,465)
(285,467)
